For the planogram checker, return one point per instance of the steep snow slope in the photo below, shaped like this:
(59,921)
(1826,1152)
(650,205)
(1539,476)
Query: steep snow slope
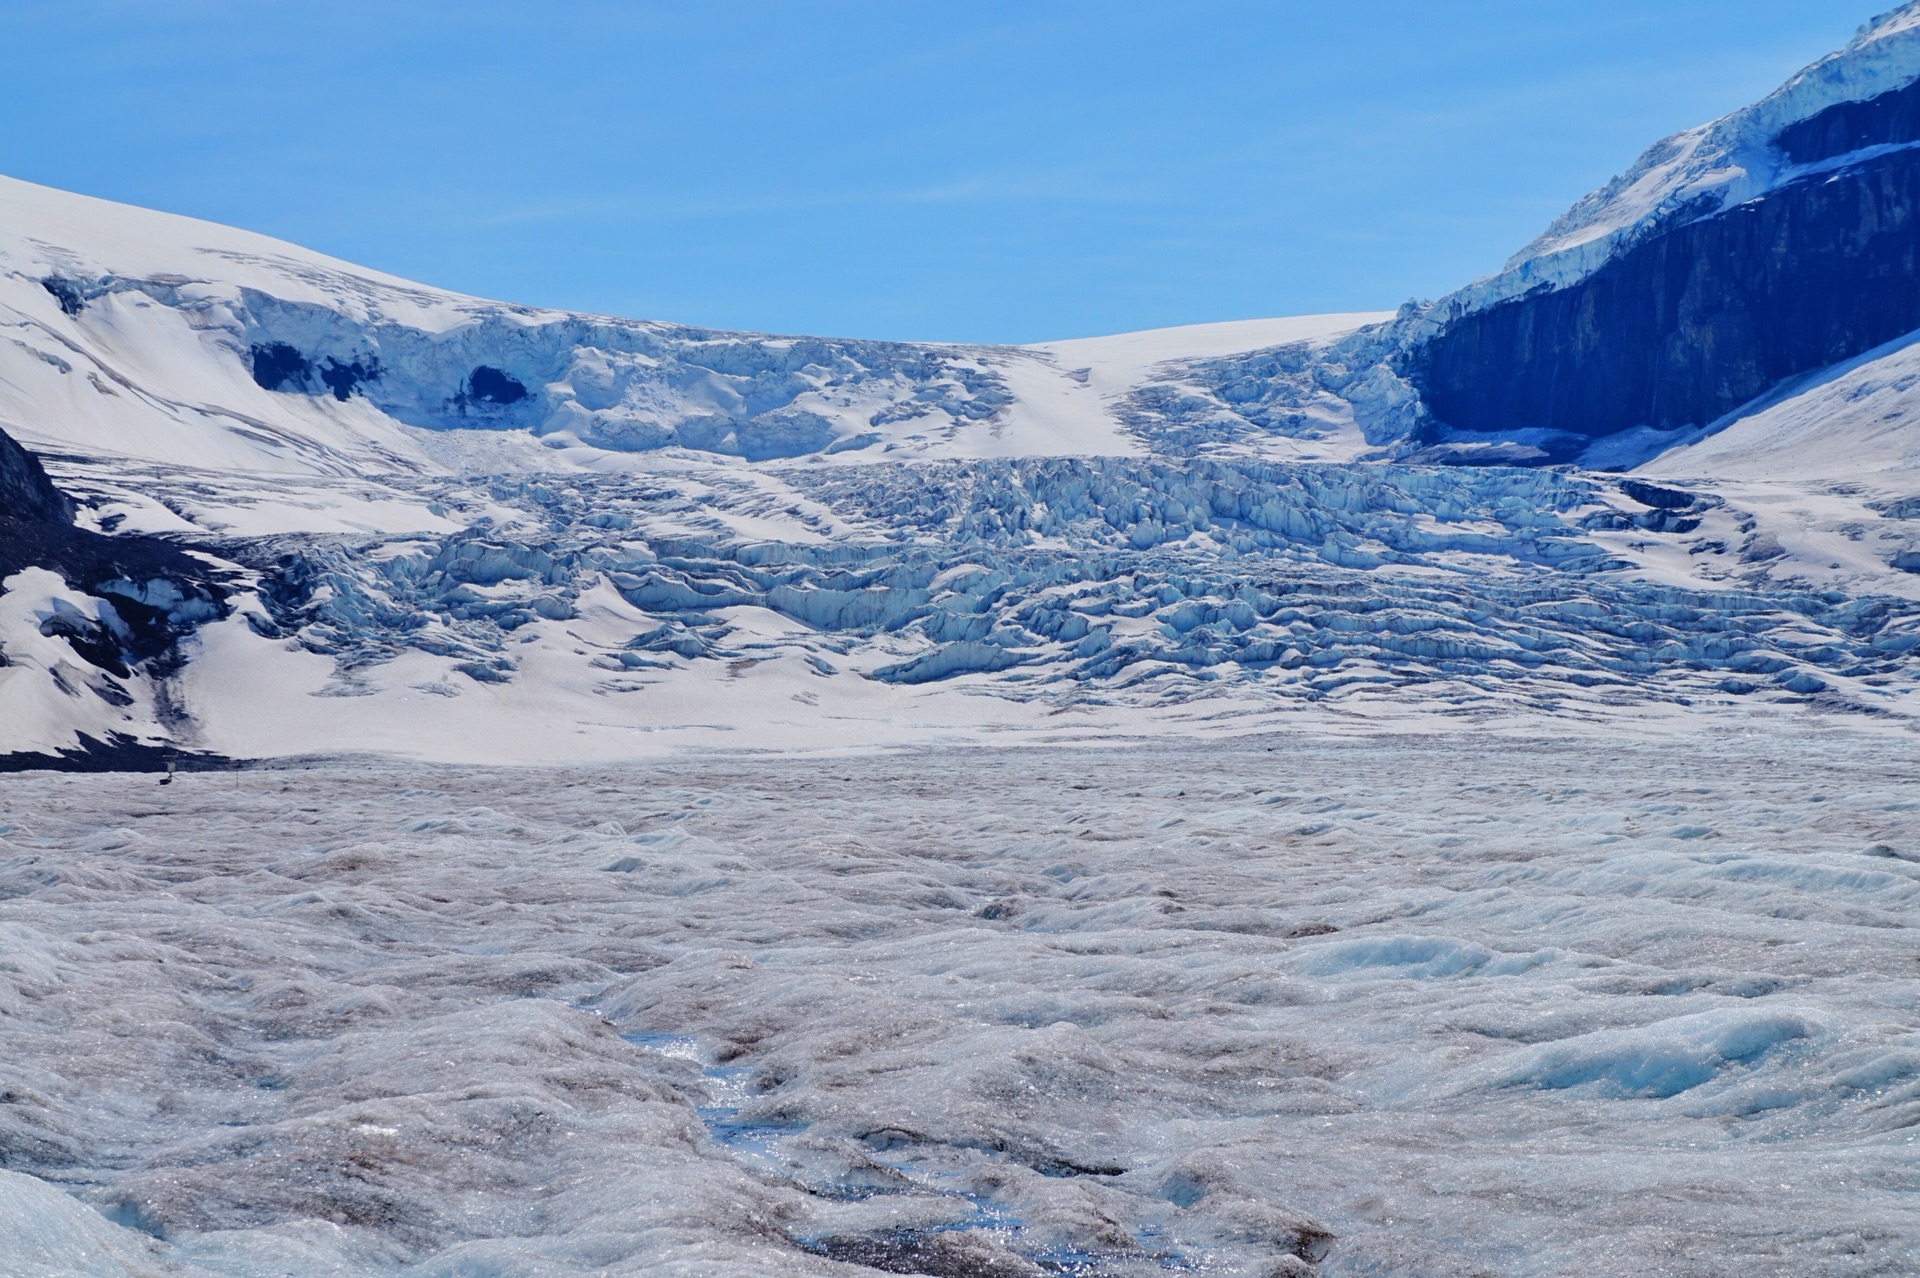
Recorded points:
(1856,422)
(92,364)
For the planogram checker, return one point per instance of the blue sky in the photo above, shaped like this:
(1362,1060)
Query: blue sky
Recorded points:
(978,170)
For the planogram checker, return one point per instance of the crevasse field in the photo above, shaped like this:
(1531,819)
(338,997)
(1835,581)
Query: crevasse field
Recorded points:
(1454,1005)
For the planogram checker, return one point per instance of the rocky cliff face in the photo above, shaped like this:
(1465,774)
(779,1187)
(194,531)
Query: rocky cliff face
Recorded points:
(1729,259)
(26,494)
(149,591)
(1889,118)
(1696,321)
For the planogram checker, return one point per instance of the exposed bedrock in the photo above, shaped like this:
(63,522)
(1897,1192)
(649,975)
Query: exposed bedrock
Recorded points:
(1689,325)
(151,591)
(1845,127)
(26,493)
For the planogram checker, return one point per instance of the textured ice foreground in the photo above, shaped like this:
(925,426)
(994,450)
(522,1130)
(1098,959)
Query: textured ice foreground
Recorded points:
(1394,1007)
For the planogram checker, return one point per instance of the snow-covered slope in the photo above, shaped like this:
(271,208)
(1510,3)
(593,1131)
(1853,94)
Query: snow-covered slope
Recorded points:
(1855,422)
(172,340)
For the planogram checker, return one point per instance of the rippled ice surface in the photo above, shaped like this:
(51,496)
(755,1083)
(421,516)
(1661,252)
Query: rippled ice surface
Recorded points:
(1464,1006)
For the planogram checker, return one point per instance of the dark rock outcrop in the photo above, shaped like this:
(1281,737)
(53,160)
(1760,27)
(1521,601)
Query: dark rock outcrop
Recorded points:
(1846,127)
(1696,321)
(156,588)
(155,594)
(26,494)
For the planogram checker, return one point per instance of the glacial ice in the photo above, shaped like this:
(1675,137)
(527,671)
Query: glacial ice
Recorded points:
(1058,579)
(609,383)
(1126,592)
(1281,1005)
(503,533)
(750,979)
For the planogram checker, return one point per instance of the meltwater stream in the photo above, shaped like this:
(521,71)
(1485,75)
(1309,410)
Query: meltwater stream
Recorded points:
(767,1147)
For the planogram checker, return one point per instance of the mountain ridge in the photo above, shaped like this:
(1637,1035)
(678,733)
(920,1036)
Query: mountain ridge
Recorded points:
(406,521)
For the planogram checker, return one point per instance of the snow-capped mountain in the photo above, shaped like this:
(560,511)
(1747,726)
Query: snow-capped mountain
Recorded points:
(1731,258)
(1733,268)
(349,512)
(173,340)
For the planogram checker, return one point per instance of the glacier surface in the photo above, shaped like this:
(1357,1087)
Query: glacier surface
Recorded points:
(1276,1006)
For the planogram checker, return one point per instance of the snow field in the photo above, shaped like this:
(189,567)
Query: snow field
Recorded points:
(139,335)
(1273,1006)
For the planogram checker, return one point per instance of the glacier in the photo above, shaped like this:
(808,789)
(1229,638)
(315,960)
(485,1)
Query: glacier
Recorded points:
(1280,1006)
(483,533)
(499,791)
